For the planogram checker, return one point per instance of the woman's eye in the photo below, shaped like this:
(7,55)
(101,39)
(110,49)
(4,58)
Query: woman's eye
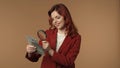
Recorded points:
(58,17)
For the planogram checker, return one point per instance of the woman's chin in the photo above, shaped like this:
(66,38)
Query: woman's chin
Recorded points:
(58,28)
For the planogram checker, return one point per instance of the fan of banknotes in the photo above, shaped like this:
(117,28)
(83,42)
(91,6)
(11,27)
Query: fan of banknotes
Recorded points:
(31,40)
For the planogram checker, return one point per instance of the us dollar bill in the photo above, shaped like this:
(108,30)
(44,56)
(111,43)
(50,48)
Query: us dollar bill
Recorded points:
(32,41)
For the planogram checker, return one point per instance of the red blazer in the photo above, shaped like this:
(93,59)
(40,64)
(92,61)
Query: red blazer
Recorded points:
(65,56)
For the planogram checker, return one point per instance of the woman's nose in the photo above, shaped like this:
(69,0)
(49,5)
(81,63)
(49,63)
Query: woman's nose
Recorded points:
(54,21)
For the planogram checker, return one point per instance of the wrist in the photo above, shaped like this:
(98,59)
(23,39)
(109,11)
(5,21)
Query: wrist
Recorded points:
(47,49)
(51,52)
(31,53)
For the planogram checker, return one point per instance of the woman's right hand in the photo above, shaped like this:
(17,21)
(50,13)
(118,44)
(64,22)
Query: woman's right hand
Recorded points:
(30,48)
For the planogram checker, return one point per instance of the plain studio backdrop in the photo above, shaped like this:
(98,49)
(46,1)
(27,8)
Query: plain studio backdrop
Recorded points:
(98,22)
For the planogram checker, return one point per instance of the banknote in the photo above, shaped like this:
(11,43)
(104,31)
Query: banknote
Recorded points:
(32,41)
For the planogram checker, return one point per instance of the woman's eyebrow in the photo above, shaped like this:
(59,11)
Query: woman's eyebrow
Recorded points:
(55,16)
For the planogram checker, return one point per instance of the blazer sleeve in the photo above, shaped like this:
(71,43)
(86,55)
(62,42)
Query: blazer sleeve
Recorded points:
(33,56)
(71,55)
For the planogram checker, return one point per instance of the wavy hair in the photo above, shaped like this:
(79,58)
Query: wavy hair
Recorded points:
(63,10)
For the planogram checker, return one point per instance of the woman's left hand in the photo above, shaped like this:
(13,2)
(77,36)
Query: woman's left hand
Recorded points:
(45,45)
(47,48)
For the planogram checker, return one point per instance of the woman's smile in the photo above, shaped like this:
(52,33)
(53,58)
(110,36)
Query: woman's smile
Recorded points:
(57,24)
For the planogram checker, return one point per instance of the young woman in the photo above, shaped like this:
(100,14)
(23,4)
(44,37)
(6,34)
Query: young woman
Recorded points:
(63,41)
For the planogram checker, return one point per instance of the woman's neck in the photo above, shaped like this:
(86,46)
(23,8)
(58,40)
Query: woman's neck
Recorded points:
(62,31)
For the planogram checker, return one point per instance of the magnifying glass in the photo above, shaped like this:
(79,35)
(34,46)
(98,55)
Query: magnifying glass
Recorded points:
(41,35)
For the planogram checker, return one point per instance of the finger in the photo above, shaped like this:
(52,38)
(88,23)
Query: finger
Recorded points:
(31,50)
(31,46)
(44,41)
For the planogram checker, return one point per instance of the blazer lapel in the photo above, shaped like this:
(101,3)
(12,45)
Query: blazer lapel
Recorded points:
(65,42)
(54,39)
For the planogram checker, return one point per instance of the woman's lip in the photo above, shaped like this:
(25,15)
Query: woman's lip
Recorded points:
(57,24)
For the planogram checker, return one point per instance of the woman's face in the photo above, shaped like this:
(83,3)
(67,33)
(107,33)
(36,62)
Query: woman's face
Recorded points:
(58,20)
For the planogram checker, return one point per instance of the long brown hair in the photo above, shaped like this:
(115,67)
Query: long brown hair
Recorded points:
(63,10)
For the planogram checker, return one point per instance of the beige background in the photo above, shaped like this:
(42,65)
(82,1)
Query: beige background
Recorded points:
(97,22)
